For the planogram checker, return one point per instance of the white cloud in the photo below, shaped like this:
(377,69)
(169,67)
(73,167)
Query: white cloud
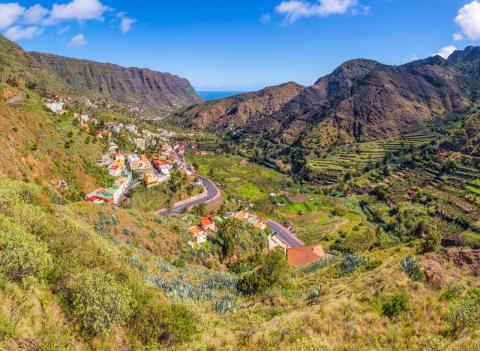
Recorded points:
(18,33)
(446,51)
(77,40)
(125,22)
(35,14)
(468,18)
(9,13)
(458,36)
(296,9)
(63,30)
(78,10)
(266,18)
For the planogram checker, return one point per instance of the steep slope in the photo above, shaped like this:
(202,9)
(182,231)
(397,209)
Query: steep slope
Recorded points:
(361,100)
(240,110)
(467,138)
(364,100)
(18,68)
(140,89)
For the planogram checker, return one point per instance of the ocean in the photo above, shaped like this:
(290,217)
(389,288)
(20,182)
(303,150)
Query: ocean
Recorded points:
(215,95)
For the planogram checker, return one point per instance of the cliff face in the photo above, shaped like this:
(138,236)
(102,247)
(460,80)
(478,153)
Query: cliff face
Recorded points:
(154,92)
(361,100)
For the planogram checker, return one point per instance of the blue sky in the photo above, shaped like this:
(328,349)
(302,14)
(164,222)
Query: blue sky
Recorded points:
(242,44)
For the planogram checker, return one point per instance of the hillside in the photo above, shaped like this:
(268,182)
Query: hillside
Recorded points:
(361,100)
(466,138)
(142,90)
(239,111)
(18,68)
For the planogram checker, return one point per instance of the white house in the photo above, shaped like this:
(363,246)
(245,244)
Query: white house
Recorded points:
(133,158)
(56,107)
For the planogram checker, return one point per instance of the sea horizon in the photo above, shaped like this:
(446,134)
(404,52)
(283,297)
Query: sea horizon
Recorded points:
(211,95)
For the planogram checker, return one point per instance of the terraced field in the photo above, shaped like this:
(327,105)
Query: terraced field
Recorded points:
(354,158)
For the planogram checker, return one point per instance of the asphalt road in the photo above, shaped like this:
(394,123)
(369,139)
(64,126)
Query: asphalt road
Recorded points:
(284,234)
(16,100)
(212,194)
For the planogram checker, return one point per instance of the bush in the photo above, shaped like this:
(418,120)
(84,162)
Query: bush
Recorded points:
(431,242)
(395,305)
(410,266)
(21,254)
(156,322)
(273,271)
(466,313)
(7,328)
(97,301)
(310,344)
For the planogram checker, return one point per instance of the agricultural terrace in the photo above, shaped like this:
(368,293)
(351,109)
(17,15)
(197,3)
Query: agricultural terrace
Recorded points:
(332,167)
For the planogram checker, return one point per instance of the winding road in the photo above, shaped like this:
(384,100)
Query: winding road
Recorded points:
(284,234)
(211,194)
(17,100)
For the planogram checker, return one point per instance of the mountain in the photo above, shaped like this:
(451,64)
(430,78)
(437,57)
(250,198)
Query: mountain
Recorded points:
(359,101)
(240,110)
(466,138)
(18,68)
(153,93)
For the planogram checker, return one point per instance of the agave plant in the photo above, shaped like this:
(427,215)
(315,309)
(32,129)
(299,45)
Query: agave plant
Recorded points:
(410,266)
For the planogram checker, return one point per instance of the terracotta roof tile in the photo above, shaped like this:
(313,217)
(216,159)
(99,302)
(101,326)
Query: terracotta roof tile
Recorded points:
(303,256)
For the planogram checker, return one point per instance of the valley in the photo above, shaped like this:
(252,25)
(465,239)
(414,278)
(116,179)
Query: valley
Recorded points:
(340,216)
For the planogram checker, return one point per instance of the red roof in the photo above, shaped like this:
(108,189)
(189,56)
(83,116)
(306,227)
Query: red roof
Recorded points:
(205,221)
(303,256)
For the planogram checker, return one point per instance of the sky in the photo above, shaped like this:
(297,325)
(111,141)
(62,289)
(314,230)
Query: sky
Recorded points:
(242,44)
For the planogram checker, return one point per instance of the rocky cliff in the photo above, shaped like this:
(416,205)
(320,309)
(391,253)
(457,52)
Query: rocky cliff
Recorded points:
(361,100)
(155,93)
(241,110)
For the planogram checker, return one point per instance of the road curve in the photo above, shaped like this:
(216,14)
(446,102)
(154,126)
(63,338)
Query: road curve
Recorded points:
(210,195)
(284,234)
(16,100)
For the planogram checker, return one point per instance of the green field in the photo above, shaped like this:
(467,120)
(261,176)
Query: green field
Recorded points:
(249,182)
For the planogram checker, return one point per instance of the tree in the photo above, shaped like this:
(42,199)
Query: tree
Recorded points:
(431,242)
(273,271)
(227,233)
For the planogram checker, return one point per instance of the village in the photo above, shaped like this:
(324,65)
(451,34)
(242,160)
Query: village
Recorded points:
(132,169)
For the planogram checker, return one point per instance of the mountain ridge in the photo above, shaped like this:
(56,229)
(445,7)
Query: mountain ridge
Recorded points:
(141,89)
(364,100)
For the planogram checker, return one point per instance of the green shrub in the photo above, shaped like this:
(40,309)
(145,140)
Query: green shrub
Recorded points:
(21,254)
(7,328)
(97,301)
(395,305)
(431,242)
(310,344)
(156,322)
(454,289)
(466,313)
(273,271)
(14,192)
(410,266)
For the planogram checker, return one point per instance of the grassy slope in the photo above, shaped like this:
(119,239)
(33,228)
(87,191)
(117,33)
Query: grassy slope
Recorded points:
(34,146)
